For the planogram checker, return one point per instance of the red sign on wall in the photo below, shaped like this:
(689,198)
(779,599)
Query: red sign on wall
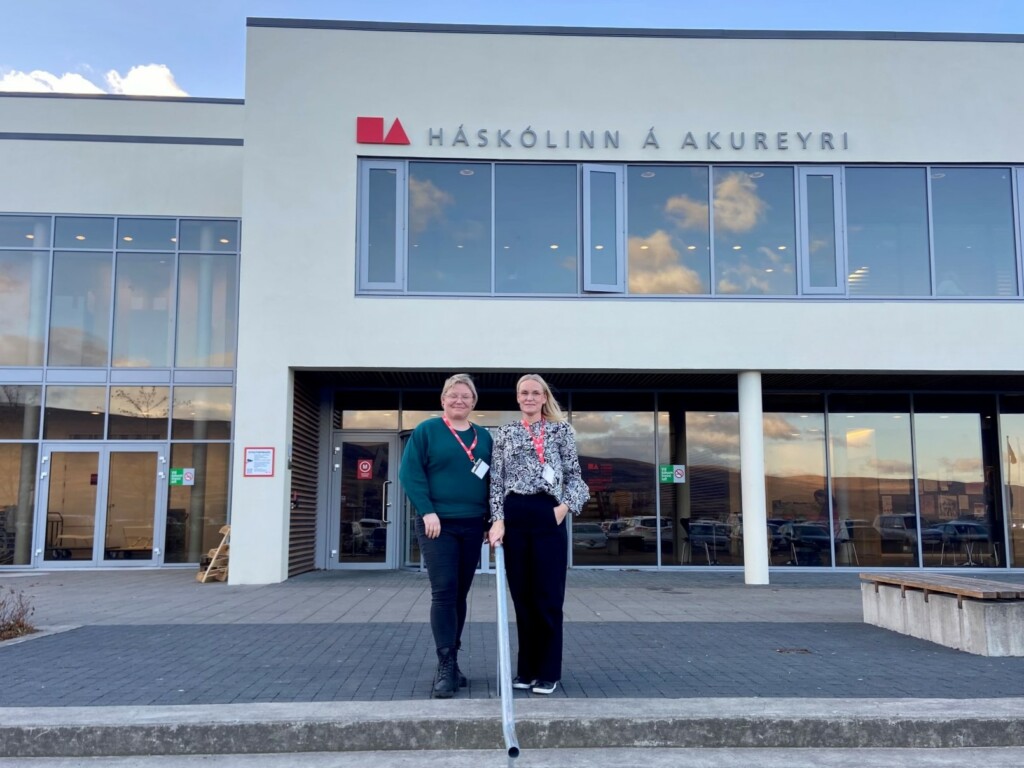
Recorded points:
(364,469)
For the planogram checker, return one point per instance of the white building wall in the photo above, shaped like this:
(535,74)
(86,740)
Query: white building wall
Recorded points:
(896,101)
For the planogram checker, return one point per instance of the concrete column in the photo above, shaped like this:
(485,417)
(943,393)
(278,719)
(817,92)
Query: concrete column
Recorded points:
(755,519)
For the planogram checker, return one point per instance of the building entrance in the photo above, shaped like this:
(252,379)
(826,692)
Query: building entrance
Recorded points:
(363,525)
(101,505)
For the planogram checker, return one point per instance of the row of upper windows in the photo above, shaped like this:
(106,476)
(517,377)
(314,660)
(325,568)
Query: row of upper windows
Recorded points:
(91,306)
(672,230)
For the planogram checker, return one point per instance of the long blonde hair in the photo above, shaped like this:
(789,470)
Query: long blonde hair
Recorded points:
(551,411)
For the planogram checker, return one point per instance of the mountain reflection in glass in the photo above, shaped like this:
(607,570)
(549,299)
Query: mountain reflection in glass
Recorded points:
(668,232)
(755,231)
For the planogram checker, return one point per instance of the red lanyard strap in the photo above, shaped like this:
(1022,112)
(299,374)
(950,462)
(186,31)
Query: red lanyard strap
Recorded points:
(469,451)
(538,440)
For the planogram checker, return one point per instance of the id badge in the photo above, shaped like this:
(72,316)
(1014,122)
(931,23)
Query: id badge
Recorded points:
(480,468)
(548,474)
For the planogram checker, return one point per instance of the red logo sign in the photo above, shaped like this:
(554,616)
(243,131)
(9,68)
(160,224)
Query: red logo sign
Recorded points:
(364,469)
(370,130)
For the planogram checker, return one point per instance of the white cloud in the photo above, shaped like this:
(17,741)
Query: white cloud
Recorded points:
(655,266)
(38,81)
(143,80)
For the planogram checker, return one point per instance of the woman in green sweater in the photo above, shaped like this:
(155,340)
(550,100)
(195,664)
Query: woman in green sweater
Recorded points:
(445,475)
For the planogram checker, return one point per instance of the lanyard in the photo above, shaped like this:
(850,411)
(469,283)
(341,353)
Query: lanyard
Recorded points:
(469,451)
(538,440)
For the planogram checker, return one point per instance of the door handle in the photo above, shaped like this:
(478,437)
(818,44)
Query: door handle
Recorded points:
(386,502)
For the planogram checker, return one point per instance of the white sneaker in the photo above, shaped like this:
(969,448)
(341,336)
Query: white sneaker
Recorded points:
(544,687)
(521,684)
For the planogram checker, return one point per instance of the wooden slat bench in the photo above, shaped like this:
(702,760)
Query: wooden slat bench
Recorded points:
(982,616)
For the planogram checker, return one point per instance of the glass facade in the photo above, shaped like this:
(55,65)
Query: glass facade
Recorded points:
(689,230)
(124,321)
(851,480)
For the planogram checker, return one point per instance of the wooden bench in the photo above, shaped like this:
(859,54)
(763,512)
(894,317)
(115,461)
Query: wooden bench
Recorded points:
(981,616)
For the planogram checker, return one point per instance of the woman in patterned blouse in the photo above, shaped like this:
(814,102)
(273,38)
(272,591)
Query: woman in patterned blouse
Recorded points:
(535,483)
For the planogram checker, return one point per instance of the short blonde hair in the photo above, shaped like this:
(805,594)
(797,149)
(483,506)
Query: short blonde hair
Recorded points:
(551,411)
(460,378)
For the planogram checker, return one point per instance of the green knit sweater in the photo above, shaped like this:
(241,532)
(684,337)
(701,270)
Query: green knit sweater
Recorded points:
(436,474)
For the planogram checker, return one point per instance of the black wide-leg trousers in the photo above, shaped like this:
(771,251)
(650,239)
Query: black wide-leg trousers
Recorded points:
(536,560)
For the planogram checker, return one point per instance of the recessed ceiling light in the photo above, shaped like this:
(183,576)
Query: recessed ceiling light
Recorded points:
(225,240)
(691,247)
(644,247)
(554,246)
(737,247)
(938,175)
(79,237)
(127,238)
(598,247)
(174,239)
(458,246)
(30,237)
(647,175)
(756,175)
(466,172)
(782,247)
(769,270)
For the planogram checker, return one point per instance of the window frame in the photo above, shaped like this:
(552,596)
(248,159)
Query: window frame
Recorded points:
(839,228)
(400,168)
(590,284)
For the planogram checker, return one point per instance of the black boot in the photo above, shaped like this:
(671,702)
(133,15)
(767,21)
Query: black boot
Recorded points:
(444,680)
(460,679)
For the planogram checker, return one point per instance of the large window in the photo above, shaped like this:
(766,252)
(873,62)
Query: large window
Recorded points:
(446,227)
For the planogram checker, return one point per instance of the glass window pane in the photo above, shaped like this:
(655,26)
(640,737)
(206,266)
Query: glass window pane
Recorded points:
(668,241)
(23,285)
(207,311)
(382,237)
(755,231)
(142,310)
(139,413)
(887,232)
(74,413)
(17,502)
(450,227)
(19,412)
(873,485)
(972,210)
(798,510)
(25,231)
(208,235)
(1011,426)
(196,513)
(202,413)
(956,516)
(602,219)
(147,234)
(536,229)
(821,221)
(80,309)
(130,505)
(619,525)
(83,232)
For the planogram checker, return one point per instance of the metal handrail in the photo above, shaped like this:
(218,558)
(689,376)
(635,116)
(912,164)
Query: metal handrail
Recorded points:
(508,723)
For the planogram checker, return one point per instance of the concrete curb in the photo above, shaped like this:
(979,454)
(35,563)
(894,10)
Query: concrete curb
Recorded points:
(540,724)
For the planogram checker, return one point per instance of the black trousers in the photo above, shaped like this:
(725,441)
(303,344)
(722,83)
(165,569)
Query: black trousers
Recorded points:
(536,560)
(451,561)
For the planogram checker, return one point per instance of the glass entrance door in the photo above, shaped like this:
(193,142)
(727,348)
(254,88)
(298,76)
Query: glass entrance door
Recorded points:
(364,501)
(101,505)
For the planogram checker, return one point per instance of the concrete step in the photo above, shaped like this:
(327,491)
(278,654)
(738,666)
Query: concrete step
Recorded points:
(466,724)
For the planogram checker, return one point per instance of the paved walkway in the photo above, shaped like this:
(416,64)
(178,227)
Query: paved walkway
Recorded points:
(160,637)
(310,661)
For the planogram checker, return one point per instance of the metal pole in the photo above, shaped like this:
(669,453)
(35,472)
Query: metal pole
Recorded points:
(508,722)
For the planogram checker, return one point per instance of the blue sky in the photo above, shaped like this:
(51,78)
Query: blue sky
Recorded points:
(197,47)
